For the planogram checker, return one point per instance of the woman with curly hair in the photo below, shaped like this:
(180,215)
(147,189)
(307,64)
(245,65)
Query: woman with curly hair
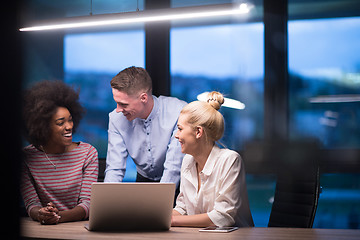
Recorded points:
(57,173)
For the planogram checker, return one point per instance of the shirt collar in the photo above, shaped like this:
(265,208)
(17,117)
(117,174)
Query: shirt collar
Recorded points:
(153,112)
(190,170)
(210,162)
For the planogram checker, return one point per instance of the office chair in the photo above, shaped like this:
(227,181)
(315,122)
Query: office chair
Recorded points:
(297,186)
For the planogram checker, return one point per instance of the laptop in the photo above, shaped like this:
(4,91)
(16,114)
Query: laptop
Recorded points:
(131,206)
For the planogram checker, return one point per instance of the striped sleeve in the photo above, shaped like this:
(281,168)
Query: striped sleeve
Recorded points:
(63,179)
(28,190)
(90,175)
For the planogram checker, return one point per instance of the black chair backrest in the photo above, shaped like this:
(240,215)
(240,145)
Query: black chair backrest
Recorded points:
(297,186)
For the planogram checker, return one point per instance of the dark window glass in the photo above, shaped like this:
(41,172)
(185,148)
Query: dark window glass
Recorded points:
(324,70)
(91,60)
(225,58)
(324,66)
(339,202)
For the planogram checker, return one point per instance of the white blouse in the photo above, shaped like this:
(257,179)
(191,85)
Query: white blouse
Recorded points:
(222,194)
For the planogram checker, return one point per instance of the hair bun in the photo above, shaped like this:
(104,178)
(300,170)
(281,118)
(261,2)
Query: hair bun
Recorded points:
(215,99)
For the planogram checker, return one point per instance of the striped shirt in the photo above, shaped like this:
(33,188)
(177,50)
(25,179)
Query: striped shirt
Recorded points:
(67,186)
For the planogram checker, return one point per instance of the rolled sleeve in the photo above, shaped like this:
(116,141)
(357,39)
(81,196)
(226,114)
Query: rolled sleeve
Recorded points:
(180,210)
(220,219)
(180,204)
(173,161)
(227,203)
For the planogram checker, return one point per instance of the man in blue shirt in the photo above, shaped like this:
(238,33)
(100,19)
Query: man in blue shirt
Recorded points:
(142,126)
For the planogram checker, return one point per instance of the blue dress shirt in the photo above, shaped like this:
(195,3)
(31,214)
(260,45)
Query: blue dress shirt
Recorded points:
(150,142)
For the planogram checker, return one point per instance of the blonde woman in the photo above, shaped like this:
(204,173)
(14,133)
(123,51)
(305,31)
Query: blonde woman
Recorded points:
(213,188)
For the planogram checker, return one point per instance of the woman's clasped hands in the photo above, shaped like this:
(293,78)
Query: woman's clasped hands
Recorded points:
(49,214)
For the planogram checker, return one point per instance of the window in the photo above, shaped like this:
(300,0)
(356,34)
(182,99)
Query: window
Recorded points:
(226,58)
(324,73)
(339,202)
(91,61)
(324,67)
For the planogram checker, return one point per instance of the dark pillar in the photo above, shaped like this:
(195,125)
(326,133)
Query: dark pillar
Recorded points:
(157,58)
(10,100)
(276,70)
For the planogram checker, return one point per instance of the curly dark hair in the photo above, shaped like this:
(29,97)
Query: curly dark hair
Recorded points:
(40,104)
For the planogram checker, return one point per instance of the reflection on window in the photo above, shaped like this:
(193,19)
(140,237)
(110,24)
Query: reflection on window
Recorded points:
(339,205)
(91,61)
(324,63)
(226,58)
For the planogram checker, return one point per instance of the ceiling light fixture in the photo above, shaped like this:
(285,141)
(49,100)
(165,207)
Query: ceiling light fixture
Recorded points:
(142,17)
(228,102)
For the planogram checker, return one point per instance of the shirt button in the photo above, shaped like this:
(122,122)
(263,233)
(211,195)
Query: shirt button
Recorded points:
(147,133)
(149,149)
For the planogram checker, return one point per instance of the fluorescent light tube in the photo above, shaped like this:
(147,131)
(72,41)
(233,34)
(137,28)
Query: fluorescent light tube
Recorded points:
(335,99)
(142,17)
